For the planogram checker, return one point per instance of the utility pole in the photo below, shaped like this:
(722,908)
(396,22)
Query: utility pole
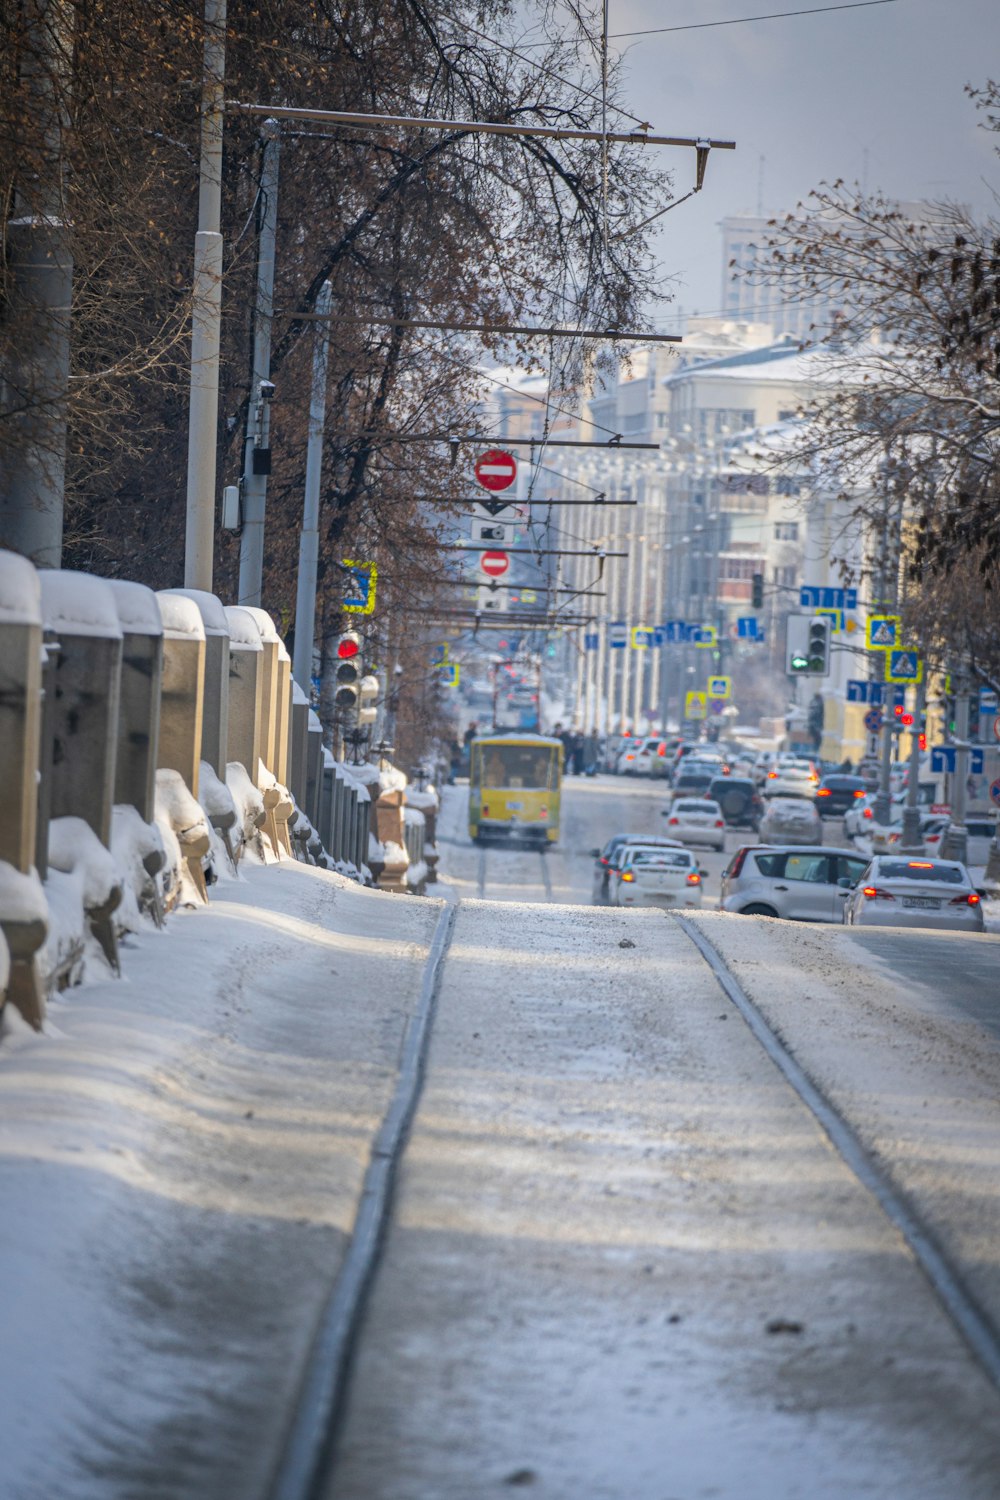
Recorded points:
(206,312)
(956,839)
(888,590)
(305,598)
(912,843)
(33,398)
(257,450)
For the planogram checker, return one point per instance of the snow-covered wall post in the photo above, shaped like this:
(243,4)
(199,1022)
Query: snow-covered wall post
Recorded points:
(328,779)
(139,697)
(81,620)
(297,763)
(20,707)
(246,689)
(215,700)
(314,766)
(270,642)
(283,727)
(182,688)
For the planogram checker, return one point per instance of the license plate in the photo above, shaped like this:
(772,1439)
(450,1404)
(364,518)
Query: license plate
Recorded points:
(514,806)
(926,902)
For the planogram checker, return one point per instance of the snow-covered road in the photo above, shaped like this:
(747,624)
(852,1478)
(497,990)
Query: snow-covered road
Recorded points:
(624,1259)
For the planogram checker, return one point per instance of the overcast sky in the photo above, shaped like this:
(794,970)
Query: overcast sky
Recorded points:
(873,94)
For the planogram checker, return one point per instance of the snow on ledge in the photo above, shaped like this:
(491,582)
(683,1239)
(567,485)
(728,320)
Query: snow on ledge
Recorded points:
(181,617)
(211,609)
(78,604)
(244,632)
(268,631)
(20,591)
(138,611)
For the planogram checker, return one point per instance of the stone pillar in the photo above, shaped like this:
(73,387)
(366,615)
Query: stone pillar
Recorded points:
(182,688)
(314,767)
(270,692)
(327,782)
(283,730)
(81,623)
(298,763)
(215,709)
(246,690)
(24,922)
(389,822)
(139,700)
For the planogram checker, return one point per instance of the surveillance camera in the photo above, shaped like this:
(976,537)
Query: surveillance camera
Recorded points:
(266,389)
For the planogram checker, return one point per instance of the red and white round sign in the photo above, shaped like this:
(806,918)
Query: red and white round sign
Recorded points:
(496,470)
(494,564)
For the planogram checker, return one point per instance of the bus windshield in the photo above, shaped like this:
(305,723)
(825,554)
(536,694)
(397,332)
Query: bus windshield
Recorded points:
(517,766)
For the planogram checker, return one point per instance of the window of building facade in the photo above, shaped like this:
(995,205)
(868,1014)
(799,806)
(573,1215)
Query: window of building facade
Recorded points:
(786,531)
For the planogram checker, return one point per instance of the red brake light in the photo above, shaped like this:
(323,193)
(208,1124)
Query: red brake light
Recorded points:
(874,894)
(674,821)
(858,793)
(694,878)
(867,813)
(972,899)
(720,823)
(661,750)
(823,791)
(772,775)
(920,864)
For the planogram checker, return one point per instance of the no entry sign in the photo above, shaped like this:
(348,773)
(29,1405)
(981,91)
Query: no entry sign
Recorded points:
(496,470)
(494,564)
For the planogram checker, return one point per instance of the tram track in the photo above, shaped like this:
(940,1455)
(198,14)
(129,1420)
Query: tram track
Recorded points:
(973,1324)
(304,1466)
(482,874)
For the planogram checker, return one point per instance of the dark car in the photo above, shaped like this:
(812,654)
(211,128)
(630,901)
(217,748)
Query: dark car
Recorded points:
(837,792)
(739,799)
(692,783)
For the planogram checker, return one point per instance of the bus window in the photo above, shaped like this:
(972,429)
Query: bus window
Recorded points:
(516,767)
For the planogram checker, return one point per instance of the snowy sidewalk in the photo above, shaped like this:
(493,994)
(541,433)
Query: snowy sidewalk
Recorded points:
(180,1159)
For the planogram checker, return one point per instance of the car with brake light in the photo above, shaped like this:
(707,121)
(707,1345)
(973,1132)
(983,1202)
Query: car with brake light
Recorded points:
(894,891)
(803,884)
(607,861)
(653,875)
(739,799)
(837,792)
(795,778)
(696,820)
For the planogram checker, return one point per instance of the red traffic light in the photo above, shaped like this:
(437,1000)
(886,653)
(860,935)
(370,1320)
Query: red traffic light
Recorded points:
(906,720)
(922,742)
(898,710)
(349,645)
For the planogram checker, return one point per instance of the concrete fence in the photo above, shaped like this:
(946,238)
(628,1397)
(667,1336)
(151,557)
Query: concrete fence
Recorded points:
(145,739)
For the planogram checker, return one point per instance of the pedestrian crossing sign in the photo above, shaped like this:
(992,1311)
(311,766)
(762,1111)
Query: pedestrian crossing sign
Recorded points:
(883,633)
(719,687)
(694,706)
(904,666)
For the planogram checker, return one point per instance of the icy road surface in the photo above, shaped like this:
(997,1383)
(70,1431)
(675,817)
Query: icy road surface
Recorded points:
(624,1260)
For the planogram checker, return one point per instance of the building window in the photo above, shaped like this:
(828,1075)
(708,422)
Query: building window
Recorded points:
(786,578)
(786,531)
(739,567)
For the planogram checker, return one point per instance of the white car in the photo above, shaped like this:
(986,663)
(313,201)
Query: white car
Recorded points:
(898,892)
(790,820)
(791,778)
(696,820)
(653,876)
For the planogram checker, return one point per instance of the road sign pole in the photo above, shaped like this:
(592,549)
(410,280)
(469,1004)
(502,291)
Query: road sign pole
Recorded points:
(956,840)
(912,842)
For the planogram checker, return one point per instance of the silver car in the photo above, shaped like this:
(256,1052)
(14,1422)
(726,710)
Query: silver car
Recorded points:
(897,892)
(805,885)
(652,876)
(696,820)
(790,820)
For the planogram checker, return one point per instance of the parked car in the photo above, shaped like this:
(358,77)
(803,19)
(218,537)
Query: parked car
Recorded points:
(612,749)
(807,884)
(696,820)
(638,756)
(607,861)
(980,831)
(790,820)
(741,803)
(796,778)
(837,792)
(652,876)
(894,891)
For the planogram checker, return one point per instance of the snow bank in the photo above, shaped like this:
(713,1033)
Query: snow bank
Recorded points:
(138,611)
(22,897)
(376,851)
(74,846)
(213,794)
(427,800)
(183,826)
(416,874)
(298,696)
(247,799)
(137,848)
(413,817)
(78,604)
(20,591)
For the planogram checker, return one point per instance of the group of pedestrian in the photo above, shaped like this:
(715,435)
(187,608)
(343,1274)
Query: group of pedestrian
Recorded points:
(580,751)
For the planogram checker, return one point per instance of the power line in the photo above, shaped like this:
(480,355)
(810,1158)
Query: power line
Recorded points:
(775,15)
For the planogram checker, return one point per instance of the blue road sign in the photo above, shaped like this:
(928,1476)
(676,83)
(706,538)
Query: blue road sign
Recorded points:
(676,630)
(943,759)
(873,720)
(857,691)
(618,635)
(659,635)
(995,791)
(987,701)
(825,598)
(591,641)
(748,628)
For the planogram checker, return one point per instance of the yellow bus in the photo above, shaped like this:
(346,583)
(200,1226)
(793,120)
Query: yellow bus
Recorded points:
(514,783)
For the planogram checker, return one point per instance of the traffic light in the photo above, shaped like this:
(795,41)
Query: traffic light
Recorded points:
(808,642)
(819,646)
(757,597)
(348,671)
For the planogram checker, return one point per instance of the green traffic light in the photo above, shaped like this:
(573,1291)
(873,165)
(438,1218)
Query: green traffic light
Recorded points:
(800,663)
